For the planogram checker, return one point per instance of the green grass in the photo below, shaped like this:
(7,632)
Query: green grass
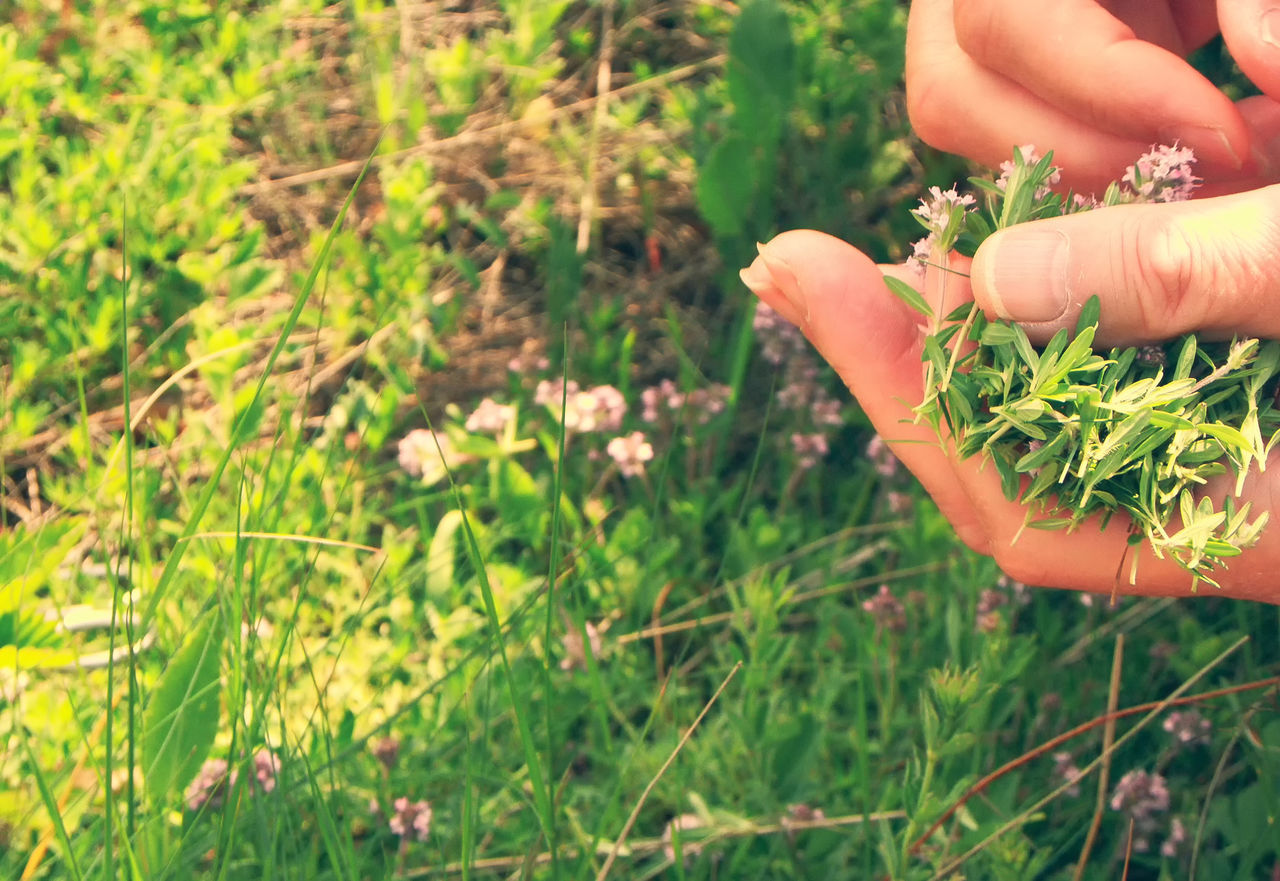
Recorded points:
(569,660)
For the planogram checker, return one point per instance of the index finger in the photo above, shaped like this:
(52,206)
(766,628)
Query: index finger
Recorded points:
(1076,56)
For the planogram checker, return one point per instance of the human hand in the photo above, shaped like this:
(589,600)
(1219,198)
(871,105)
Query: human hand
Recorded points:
(1152,266)
(1096,86)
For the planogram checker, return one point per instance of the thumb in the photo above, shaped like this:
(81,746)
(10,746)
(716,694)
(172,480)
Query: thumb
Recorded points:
(837,297)
(1160,270)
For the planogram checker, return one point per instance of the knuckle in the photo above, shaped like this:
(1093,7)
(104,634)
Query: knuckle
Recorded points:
(1167,267)
(930,106)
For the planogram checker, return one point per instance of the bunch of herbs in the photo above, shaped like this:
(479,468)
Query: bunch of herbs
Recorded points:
(1075,433)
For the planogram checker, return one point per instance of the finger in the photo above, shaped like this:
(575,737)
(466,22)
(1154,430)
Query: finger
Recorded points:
(1119,82)
(838,298)
(960,106)
(1251,30)
(1160,270)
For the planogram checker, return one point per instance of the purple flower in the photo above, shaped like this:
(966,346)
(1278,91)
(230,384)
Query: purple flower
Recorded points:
(1188,727)
(210,786)
(630,452)
(809,449)
(1141,796)
(266,767)
(664,395)
(1065,770)
(942,211)
(1177,837)
(1163,174)
(528,362)
(988,616)
(826,411)
(411,820)
(1079,204)
(882,458)
(706,403)
(780,340)
(490,417)
(886,609)
(600,409)
(921,254)
(1030,156)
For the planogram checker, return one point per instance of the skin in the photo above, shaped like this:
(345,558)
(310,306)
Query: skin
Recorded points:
(1097,82)
(984,75)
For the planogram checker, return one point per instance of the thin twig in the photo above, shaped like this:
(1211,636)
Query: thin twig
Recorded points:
(635,812)
(1104,773)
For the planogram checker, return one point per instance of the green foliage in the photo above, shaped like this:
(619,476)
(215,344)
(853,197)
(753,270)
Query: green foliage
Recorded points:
(181,718)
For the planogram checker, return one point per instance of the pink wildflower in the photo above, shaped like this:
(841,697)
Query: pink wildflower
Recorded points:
(664,393)
(942,209)
(1141,796)
(411,820)
(610,407)
(1030,156)
(921,254)
(549,392)
(1177,837)
(1163,174)
(630,452)
(780,340)
(886,609)
(882,458)
(490,417)
(1066,771)
(1188,727)
(210,786)
(809,449)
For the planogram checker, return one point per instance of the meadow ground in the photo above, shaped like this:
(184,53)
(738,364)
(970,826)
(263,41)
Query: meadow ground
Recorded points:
(454,514)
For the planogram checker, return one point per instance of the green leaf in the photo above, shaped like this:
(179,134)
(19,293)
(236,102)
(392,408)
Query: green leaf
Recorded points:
(1023,345)
(441,556)
(1186,358)
(997,333)
(725,191)
(1232,437)
(181,717)
(908,295)
(1090,313)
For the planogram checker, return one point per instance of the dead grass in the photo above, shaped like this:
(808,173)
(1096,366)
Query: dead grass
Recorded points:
(647,243)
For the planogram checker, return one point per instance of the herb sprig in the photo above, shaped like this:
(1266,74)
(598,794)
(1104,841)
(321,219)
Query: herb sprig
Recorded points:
(1073,432)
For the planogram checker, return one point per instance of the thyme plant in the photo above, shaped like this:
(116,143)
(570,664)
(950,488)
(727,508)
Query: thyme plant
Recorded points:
(1075,432)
